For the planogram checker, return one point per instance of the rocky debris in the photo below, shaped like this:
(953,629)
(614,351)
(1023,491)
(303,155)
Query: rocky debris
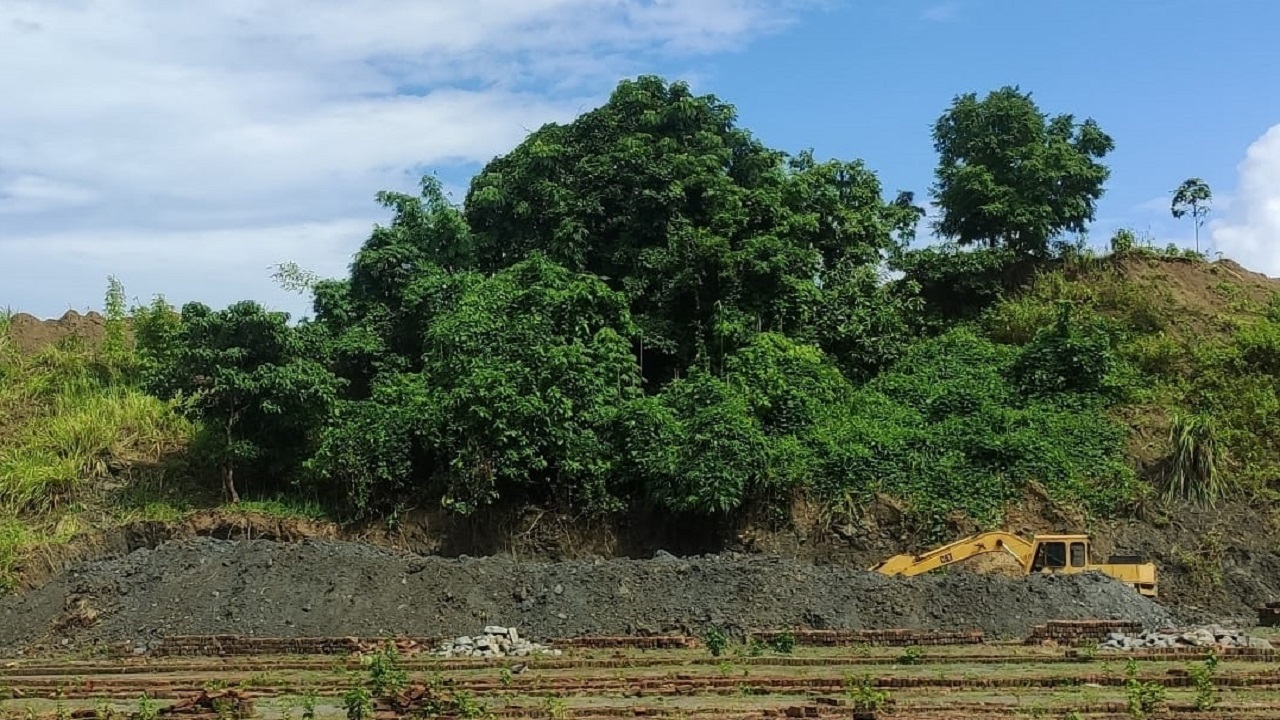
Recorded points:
(1209,636)
(1080,632)
(496,641)
(227,704)
(327,588)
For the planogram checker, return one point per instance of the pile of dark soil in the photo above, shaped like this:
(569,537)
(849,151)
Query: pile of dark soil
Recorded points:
(331,588)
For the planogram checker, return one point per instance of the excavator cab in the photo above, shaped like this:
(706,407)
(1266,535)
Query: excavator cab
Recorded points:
(1071,554)
(1061,553)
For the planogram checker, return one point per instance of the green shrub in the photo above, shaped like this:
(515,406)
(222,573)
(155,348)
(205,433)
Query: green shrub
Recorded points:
(784,643)
(716,640)
(1143,698)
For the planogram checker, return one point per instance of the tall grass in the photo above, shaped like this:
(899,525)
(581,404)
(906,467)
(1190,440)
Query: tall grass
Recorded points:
(1193,472)
(13,536)
(67,417)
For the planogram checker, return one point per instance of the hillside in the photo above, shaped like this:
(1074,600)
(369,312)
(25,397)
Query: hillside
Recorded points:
(645,330)
(110,458)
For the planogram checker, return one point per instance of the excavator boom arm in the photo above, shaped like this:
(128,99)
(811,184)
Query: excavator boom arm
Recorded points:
(989,542)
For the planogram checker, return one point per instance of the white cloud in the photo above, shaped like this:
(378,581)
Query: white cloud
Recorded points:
(941,12)
(215,266)
(34,193)
(1250,233)
(188,145)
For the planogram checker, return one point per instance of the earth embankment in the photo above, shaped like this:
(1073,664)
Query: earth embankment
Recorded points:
(333,588)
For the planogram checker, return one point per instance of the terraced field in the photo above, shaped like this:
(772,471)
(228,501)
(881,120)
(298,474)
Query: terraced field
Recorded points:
(825,675)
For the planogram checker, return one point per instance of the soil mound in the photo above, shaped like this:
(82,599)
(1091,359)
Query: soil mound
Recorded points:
(30,334)
(334,588)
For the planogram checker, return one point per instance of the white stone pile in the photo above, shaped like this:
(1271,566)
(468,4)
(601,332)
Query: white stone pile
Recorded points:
(496,641)
(1205,637)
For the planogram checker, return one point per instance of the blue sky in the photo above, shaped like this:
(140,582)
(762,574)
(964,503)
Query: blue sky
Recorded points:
(1182,86)
(187,147)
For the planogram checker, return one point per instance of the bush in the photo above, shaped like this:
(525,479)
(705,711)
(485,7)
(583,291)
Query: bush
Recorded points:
(943,430)
(1069,356)
(716,640)
(784,643)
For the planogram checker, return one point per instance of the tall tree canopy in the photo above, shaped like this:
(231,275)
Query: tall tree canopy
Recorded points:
(1011,176)
(648,307)
(710,234)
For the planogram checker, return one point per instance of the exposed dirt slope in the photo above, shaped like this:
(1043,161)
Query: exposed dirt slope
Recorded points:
(1207,290)
(331,588)
(30,334)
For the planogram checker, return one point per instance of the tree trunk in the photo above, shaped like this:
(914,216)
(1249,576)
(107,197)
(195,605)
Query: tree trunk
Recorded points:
(228,470)
(229,483)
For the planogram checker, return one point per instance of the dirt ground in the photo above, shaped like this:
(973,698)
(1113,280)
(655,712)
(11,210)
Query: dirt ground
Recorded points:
(827,683)
(30,334)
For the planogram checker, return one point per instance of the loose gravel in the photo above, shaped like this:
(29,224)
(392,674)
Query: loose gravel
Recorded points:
(328,588)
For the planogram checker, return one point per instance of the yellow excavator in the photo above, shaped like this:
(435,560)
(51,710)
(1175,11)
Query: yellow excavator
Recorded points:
(1046,554)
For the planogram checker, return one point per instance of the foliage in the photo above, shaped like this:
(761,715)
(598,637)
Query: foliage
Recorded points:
(696,448)
(358,703)
(521,382)
(386,674)
(1011,176)
(1067,357)
(1143,698)
(252,383)
(957,282)
(1192,197)
(944,429)
(711,235)
(716,640)
(529,369)
(69,419)
(114,346)
(912,655)
(1202,680)
(783,643)
(709,444)
(647,307)
(294,278)
(863,694)
(13,536)
(1193,473)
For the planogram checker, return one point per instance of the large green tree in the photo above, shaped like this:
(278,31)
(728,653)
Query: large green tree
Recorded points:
(711,235)
(403,275)
(254,383)
(1009,175)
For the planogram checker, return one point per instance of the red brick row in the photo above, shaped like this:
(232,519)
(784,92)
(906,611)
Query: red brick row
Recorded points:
(883,638)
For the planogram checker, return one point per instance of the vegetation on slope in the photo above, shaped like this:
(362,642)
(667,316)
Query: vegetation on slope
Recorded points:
(648,308)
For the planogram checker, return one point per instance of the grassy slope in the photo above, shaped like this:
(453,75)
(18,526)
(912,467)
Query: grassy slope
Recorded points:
(80,448)
(1201,336)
